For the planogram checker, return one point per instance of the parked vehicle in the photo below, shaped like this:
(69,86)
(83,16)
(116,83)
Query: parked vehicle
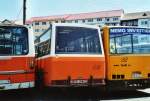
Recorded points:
(16,57)
(71,55)
(127,52)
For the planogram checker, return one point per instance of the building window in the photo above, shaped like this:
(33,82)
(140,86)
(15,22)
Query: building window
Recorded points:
(115,19)
(50,22)
(43,30)
(135,23)
(107,19)
(90,20)
(69,21)
(63,21)
(99,19)
(36,23)
(83,21)
(36,30)
(43,23)
(113,24)
(124,23)
(76,21)
(143,22)
(146,22)
(131,23)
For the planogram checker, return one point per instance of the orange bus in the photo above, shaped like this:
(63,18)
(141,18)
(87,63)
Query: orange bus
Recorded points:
(16,57)
(127,52)
(71,55)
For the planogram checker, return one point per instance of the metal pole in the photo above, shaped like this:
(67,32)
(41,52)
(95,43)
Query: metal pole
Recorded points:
(24,11)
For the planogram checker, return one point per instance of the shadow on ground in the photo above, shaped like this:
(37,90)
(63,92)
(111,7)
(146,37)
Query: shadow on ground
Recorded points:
(70,94)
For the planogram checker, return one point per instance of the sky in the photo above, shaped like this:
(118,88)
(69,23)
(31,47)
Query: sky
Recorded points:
(12,9)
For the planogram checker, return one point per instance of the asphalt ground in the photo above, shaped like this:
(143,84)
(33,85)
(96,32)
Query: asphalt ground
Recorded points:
(74,94)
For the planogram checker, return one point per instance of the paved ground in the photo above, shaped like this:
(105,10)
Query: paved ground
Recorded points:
(80,94)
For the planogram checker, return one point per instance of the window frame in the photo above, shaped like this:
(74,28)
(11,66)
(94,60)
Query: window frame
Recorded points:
(37,23)
(44,23)
(49,41)
(76,21)
(27,37)
(100,43)
(132,43)
(99,19)
(90,20)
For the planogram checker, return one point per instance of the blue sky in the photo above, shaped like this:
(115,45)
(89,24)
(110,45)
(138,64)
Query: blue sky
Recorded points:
(11,9)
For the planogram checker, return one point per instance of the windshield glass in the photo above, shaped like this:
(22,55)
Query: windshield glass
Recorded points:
(77,40)
(13,40)
(43,46)
(129,40)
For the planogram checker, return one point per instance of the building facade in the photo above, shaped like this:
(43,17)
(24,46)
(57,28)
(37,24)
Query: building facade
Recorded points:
(139,19)
(112,18)
(40,24)
(102,18)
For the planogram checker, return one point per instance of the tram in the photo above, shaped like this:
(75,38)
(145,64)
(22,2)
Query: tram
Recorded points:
(71,55)
(16,57)
(127,52)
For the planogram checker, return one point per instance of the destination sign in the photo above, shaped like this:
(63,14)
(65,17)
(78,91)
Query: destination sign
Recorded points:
(129,30)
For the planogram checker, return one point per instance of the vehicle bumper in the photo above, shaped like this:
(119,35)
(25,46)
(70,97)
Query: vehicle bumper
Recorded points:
(69,83)
(128,84)
(16,85)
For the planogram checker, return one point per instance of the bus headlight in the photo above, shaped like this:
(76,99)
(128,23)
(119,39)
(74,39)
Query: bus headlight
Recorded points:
(136,75)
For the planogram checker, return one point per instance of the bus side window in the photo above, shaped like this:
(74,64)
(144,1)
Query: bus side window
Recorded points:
(43,48)
(112,46)
(44,43)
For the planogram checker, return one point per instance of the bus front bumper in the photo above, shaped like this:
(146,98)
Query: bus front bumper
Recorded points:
(11,86)
(128,84)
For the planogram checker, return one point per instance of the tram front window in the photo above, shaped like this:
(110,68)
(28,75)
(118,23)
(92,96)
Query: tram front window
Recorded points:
(13,40)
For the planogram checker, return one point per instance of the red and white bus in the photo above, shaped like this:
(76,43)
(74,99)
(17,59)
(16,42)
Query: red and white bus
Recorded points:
(71,55)
(16,57)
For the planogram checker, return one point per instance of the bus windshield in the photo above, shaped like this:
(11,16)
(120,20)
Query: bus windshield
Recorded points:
(77,40)
(129,41)
(13,40)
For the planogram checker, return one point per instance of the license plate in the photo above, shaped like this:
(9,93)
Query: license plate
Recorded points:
(4,81)
(79,81)
(136,75)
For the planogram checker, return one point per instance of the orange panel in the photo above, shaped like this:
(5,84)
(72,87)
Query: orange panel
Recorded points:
(15,64)
(60,68)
